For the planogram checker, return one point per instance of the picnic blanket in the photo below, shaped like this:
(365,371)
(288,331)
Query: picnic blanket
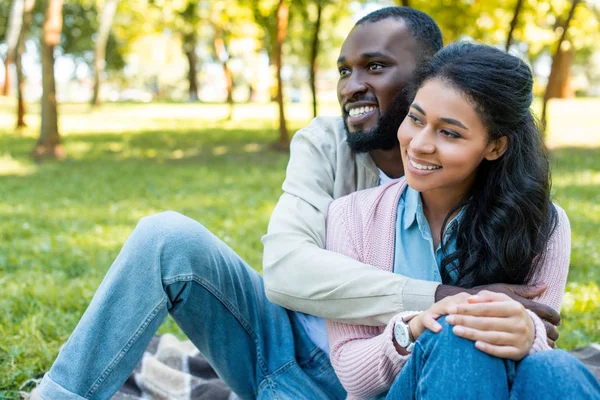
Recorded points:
(175,370)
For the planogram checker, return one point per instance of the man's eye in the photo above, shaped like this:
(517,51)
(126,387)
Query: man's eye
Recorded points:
(344,71)
(375,67)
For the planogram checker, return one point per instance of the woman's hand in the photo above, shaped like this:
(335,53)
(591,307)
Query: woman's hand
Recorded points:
(497,324)
(427,319)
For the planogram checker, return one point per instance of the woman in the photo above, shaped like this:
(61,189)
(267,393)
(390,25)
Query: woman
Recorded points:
(474,209)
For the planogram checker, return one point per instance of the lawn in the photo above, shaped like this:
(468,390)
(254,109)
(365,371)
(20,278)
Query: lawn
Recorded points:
(62,223)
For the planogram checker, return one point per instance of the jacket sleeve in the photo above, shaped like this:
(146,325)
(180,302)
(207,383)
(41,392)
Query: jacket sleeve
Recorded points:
(300,275)
(553,271)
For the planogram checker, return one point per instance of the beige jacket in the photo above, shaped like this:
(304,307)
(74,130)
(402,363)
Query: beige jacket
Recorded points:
(298,273)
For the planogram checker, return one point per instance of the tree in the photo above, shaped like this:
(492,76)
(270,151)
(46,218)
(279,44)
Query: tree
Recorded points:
(189,31)
(106,18)
(282,14)
(513,23)
(15,21)
(314,52)
(49,144)
(219,23)
(559,64)
(27,19)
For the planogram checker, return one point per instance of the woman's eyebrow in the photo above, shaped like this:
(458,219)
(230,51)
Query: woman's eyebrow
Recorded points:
(418,108)
(451,121)
(455,122)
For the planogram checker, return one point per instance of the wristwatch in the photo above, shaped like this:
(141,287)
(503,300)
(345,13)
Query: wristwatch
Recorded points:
(403,335)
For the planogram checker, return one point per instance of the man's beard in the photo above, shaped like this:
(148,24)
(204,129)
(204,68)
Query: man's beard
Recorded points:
(384,135)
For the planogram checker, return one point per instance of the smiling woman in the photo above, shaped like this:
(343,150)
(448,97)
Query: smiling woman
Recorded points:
(474,209)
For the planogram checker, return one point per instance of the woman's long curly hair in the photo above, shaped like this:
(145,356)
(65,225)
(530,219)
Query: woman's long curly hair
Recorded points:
(508,216)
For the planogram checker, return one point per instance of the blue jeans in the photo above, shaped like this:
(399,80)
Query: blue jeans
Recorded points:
(445,366)
(172,264)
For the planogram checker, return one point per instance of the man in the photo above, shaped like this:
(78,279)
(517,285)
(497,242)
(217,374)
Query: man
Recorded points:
(172,264)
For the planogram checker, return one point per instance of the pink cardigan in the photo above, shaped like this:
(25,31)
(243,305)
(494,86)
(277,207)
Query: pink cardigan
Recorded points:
(362,226)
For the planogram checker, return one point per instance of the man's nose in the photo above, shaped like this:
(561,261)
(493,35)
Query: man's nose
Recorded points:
(354,86)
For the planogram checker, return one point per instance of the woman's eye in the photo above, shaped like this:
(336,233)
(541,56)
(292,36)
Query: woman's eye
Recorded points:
(414,119)
(344,71)
(375,67)
(450,134)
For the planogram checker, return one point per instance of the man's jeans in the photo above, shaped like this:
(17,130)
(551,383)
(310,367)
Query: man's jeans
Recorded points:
(445,366)
(172,264)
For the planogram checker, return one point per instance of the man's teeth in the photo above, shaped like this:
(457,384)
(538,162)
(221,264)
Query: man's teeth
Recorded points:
(427,167)
(360,111)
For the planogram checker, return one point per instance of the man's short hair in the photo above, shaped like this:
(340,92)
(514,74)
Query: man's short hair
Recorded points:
(420,25)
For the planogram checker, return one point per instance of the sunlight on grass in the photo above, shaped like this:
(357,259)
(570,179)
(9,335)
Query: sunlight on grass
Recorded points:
(10,166)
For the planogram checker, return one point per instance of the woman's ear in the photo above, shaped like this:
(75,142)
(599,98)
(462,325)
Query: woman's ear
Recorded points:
(497,148)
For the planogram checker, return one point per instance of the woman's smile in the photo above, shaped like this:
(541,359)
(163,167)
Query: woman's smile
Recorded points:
(420,167)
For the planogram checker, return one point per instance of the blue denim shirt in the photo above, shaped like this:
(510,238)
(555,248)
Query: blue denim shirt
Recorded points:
(414,256)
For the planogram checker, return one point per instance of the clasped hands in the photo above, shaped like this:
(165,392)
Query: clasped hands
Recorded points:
(499,325)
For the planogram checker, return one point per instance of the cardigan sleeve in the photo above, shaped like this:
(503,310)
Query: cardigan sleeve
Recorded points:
(363,357)
(553,271)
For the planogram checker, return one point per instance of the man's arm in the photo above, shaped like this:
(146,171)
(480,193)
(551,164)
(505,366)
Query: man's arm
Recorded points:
(299,274)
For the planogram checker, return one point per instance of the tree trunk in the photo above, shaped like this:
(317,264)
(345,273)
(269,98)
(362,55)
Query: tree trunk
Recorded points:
(281,32)
(403,3)
(106,18)
(313,58)
(15,22)
(48,144)
(554,70)
(6,88)
(513,23)
(223,56)
(189,48)
(27,18)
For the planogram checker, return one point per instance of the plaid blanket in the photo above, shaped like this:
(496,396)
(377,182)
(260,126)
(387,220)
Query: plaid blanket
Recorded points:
(175,370)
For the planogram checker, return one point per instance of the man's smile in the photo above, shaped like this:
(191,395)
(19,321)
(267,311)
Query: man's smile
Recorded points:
(359,113)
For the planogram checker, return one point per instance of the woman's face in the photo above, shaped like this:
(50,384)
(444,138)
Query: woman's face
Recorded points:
(443,140)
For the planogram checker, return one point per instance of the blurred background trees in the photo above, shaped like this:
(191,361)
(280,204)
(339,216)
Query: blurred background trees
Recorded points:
(256,50)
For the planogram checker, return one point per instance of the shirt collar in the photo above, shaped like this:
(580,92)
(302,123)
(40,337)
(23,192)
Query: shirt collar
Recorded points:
(411,205)
(413,212)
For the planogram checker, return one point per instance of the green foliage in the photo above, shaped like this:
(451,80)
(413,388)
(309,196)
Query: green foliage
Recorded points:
(64,223)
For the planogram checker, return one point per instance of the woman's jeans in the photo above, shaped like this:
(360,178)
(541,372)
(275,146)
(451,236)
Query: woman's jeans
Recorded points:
(445,366)
(172,264)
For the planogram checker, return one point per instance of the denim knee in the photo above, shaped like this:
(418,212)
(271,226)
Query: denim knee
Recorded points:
(445,336)
(551,364)
(170,229)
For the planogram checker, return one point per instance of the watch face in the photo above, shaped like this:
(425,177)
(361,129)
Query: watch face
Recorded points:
(401,334)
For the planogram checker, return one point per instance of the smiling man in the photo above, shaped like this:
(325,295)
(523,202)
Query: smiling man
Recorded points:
(172,265)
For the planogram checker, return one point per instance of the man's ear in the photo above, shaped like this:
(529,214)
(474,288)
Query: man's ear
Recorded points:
(497,148)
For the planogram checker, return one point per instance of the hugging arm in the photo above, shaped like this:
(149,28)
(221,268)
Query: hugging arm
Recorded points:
(300,274)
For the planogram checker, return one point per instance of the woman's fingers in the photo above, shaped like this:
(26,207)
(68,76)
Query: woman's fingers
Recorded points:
(508,352)
(485,323)
(497,338)
(490,309)
(429,321)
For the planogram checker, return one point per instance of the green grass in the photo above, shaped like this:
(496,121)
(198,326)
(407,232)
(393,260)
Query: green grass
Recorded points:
(62,223)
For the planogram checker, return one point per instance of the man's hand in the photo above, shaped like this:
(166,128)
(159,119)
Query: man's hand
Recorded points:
(521,293)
